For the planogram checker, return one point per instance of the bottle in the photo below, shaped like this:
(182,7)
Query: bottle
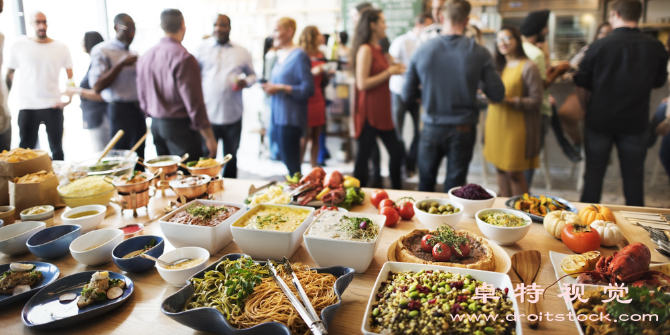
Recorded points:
(334,52)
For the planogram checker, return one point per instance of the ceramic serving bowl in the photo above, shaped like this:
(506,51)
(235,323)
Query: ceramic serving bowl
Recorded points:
(46,217)
(503,235)
(7,214)
(87,223)
(331,252)
(471,207)
(269,244)
(433,221)
(211,238)
(13,237)
(137,264)
(186,187)
(101,198)
(178,277)
(53,242)
(95,248)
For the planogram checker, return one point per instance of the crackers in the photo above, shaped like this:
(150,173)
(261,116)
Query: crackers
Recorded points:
(18,155)
(36,177)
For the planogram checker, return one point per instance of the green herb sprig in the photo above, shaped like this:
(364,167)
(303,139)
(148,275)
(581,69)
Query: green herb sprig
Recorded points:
(205,212)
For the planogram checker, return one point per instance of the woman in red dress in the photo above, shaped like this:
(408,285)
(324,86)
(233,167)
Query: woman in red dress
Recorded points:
(316,105)
(373,116)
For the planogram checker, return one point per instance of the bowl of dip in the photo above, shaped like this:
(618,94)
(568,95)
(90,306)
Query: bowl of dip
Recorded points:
(178,274)
(44,213)
(88,217)
(126,255)
(95,248)
(345,239)
(272,231)
(503,226)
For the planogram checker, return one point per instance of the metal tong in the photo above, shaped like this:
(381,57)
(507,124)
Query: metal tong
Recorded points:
(308,314)
(658,234)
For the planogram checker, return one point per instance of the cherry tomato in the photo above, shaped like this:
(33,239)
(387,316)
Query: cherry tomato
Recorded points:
(580,238)
(406,210)
(465,251)
(386,203)
(392,216)
(441,252)
(377,196)
(425,243)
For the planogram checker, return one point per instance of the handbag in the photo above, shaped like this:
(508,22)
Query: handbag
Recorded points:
(571,110)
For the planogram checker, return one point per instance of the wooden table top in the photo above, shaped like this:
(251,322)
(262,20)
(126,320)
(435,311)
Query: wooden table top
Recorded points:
(141,313)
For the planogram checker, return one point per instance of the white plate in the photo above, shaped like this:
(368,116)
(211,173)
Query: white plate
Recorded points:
(496,279)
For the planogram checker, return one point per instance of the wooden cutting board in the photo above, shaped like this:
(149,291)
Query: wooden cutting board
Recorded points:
(634,233)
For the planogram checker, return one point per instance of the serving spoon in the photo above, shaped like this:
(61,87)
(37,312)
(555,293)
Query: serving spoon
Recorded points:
(179,261)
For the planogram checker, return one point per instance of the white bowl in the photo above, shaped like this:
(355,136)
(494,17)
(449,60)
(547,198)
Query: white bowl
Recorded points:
(471,207)
(101,244)
(178,277)
(13,237)
(266,244)
(332,252)
(211,238)
(499,280)
(46,217)
(87,223)
(433,221)
(503,235)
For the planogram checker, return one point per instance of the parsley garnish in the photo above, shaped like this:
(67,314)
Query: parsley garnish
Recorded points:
(205,212)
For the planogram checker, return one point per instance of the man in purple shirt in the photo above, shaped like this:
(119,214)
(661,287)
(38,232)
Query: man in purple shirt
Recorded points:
(170,92)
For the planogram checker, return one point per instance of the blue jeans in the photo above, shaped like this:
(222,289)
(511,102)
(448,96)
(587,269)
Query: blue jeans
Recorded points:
(632,149)
(400,107)
(664,152)
(288,140)
(437,141)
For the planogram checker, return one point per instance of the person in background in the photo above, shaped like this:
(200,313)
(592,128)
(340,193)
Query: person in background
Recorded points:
(614,83)
(93,106)
(316,105)
(434,30)
(39,60)
(226,69)
(5,114)
(343,50)
(447,71)
(269,60)
(603,30)
(290,87)
(169,87)
(113,76)
(534,30)
(512,132)
(373,113)
(402,50)
(474,33)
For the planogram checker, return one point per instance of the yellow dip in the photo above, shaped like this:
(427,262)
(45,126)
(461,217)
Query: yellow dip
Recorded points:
(134,253)
(82,214)
(185,265)
(93,247)
(284,219)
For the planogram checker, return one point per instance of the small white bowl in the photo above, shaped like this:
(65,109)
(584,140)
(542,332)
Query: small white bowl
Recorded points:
(95,248)
(471,207)
(178,277)
(433,221)
(266,244)
(46,217)
(332,252)
(503,235)
(13,238)
(87,223)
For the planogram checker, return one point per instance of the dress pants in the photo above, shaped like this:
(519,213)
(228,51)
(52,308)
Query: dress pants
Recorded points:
(29,124)
(230,134)
(175,137)
(127,116)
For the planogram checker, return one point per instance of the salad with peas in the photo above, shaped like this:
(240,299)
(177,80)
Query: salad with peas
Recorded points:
(426,302)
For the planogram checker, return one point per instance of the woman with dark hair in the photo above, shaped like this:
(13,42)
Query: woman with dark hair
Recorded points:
(93,108)
(290,86)
(512,133)
(316,105)
(373,116)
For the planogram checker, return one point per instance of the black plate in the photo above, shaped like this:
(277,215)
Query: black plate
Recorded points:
(510,204)
(209,319)
(44,311)
(49,274)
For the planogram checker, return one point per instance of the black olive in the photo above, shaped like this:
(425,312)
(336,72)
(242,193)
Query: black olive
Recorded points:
(438,314)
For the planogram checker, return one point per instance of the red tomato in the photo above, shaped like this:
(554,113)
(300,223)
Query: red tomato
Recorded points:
(392,216)
(377,196)
(386,203)
(425,243)
(580,238)
(406,210)
(465,251)
(441,252)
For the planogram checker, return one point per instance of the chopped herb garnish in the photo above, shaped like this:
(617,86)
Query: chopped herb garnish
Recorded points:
(205,212)
(353,227)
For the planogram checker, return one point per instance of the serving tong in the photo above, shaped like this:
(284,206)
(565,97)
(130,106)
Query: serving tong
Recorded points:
(308,314)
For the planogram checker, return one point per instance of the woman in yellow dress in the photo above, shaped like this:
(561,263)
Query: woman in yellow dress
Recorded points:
(512,133)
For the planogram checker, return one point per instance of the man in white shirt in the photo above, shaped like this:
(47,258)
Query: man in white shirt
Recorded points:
(39,60)
(5,115)
(226,70)
(402,50)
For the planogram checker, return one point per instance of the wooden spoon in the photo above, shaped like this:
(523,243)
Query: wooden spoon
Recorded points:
(137,145)
(526,264)
(110,145)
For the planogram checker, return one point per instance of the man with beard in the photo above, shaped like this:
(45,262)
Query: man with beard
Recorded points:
(226,69)
(39,60)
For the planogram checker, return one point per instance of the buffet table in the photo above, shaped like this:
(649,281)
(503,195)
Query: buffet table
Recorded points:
(141,313)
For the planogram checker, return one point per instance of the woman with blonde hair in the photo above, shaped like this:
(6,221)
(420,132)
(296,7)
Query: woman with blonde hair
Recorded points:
(316,105)
(291,85)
